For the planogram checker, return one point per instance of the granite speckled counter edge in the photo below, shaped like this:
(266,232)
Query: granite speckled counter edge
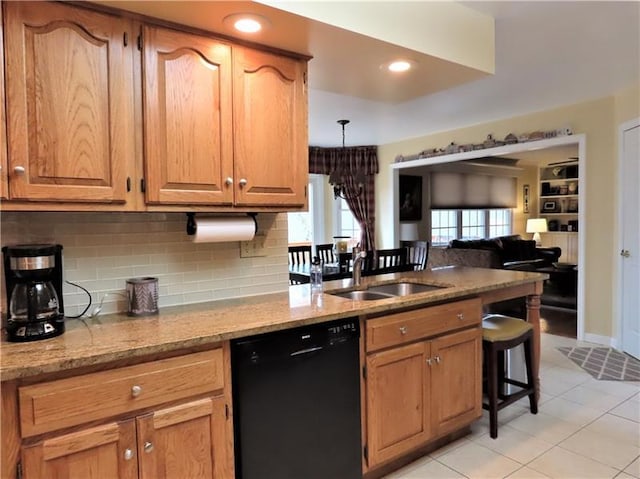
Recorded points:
(117,336)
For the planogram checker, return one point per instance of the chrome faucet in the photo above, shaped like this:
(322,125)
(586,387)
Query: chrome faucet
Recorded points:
(358,258)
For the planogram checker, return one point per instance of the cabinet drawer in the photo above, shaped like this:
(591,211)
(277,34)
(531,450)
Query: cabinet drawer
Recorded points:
(67,402)
(412,325)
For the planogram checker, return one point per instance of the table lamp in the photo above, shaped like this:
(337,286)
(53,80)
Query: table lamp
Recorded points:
(537,226)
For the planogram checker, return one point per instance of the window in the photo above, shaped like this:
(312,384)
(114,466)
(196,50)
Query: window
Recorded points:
(469,224)
(304,226)
(346,223)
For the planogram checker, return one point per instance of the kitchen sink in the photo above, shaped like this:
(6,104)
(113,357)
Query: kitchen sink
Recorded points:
(403,289)
(363,295)
(385,291)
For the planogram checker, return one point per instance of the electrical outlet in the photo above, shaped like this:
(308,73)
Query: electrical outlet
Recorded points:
(253,248)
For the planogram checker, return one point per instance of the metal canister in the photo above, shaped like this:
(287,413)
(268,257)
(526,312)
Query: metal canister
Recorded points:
(142,294)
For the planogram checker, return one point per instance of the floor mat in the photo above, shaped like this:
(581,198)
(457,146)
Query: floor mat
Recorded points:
(604,363)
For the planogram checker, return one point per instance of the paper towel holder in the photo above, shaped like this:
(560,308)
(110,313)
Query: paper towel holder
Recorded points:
(191,223)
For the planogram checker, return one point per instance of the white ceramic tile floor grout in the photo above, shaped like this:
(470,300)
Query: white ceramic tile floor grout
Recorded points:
(585,428)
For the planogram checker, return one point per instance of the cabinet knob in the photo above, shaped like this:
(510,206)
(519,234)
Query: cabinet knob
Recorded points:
(460,316)
(136,391)
(437,359)
(128,454)
(429,361)
(242,182)
(19,170)
(228,181)
(403,330)
(148,447)
(625,253)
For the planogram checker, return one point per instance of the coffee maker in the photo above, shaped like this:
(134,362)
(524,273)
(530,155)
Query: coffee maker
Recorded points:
(33,279)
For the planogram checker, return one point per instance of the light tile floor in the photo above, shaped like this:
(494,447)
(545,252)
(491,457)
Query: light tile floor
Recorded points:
(585,428)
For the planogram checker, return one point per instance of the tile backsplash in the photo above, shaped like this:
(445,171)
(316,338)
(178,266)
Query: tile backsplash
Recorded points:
(102,250)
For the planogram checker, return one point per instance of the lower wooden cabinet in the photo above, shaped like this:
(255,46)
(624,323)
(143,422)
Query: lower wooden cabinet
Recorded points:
(188,440)
(94,453)
(420,391)
(163,419)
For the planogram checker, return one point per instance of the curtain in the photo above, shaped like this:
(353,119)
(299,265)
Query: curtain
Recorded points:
(348,161)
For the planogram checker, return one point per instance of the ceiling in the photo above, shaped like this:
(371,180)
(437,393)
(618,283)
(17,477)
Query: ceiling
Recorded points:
(547,54)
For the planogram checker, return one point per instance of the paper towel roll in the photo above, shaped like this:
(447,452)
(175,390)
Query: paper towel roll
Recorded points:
(220,230)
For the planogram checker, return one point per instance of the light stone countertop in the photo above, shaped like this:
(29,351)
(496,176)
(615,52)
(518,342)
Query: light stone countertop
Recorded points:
(117,336)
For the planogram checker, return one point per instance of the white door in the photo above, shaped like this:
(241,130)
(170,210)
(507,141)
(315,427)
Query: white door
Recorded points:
(630,229)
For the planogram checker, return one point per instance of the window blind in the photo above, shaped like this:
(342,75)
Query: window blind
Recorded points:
(472,191)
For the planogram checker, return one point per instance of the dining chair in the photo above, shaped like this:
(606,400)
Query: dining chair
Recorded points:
(383,261)
(325,253)
(300,254)
(417,253)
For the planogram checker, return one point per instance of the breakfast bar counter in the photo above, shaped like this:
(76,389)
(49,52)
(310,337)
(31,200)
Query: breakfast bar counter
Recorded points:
(68,400)
(114,337)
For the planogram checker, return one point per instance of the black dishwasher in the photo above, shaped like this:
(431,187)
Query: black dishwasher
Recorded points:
(296,397)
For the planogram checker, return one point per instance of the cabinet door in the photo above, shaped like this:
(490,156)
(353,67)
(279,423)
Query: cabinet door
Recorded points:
(187,118)
(95,453)
(270,135)
(190,440)
(456,380)
(69,103)
(4,187)
(398,407)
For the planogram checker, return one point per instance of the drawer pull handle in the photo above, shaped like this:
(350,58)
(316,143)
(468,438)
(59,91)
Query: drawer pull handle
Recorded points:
(148,447)
(403,330)
(460,316)
(128,454)
(437,358)
(136,391)
(19,170)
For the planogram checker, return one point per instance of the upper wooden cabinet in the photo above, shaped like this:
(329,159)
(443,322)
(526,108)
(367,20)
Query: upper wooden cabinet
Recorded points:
(190,120)
(4,187)
(187,118)
(270,129)
(69,103)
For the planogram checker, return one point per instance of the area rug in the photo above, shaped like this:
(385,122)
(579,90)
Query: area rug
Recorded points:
(604,363)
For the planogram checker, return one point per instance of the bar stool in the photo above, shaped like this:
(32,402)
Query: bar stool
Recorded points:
(499,334)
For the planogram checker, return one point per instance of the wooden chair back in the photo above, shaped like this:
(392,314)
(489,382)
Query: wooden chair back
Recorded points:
(417,253)
(300,254)
(390,258)
(325,253)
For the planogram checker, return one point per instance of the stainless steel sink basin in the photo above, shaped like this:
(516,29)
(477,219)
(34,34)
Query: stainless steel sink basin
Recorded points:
(385,291)
(362,295)
(403,289)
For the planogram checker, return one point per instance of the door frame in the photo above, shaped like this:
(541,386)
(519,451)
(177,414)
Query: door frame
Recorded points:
(627,125)
(580,140)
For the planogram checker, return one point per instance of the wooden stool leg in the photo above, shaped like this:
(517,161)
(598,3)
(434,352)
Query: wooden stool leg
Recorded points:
(492,390)
(502,360)
(531,380)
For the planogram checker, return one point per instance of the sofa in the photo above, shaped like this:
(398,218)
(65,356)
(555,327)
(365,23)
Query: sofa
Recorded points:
(504,252)
(513,252)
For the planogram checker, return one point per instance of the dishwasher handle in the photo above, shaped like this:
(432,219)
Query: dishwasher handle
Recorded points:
(306,351)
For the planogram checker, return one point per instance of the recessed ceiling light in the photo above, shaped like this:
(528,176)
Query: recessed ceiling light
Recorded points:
(399,66)
(246,22)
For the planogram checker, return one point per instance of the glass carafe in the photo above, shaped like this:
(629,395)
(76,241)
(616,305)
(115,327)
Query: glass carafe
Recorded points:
(33,301)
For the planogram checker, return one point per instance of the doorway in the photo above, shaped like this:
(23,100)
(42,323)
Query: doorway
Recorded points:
(512,151)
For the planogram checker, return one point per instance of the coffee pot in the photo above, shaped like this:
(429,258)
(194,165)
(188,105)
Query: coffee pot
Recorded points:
(33,277)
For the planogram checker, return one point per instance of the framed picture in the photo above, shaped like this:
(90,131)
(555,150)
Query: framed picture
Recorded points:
(573,205)
(550,206)
(525,198)
(410,198)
